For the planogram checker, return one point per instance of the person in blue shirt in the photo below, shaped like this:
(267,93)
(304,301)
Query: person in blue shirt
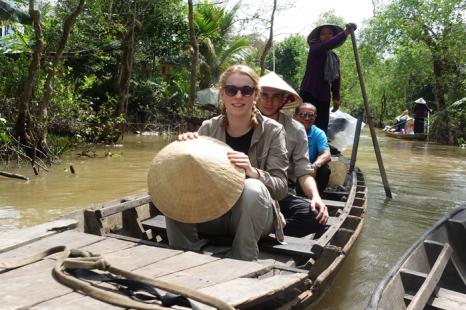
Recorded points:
(319,150)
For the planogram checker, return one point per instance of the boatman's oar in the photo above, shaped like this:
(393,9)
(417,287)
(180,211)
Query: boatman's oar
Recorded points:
(388,193)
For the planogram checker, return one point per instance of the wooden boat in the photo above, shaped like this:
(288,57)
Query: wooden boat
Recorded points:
(415,137)
(130,232)
(432,272)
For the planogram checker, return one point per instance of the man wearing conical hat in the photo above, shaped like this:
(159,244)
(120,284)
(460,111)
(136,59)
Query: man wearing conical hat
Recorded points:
(420,110)
(302,217)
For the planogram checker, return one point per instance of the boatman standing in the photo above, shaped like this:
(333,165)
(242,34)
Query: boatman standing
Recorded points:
(420,110)
(303,217)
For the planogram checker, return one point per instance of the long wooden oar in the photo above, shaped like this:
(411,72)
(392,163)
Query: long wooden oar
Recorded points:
(388,193)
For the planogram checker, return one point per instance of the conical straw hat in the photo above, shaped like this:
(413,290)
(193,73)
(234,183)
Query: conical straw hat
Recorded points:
(193,181)
(274,81)
(313,34)
(420,100)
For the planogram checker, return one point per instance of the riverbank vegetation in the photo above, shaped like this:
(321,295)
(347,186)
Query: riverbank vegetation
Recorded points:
(78,68)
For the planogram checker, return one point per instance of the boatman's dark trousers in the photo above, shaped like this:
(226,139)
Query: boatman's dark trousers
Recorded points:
(300,221)
(419,125)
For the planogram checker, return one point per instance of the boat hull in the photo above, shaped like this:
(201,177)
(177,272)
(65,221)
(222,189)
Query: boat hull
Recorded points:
(413,137)
(409,278)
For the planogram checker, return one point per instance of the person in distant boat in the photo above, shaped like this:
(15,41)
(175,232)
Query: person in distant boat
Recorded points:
(319,151)
(303,217)
(322,77)
(401,121)
(420,110)
(259,145)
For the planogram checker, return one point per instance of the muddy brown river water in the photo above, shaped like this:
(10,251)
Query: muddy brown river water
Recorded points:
(426,179)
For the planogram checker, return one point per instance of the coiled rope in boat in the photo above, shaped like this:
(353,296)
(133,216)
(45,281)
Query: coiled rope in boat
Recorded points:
(84,260)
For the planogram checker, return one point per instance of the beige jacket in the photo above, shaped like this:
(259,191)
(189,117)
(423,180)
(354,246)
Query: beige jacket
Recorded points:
(267,153)
(297,147)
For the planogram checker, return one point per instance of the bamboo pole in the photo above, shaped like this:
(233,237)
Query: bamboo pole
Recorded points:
(388,193)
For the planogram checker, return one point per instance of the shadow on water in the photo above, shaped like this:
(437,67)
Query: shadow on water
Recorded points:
(427,180)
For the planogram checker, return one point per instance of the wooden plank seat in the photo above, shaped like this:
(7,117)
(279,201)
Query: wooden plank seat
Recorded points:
(424,293)
(130,215)
(444,299)
(292,246)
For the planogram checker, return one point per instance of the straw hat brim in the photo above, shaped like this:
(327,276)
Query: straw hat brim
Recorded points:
(193,181)
(274,81)
(313,34)
(420,100)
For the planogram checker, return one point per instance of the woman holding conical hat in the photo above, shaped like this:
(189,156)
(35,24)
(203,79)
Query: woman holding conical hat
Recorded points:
(322,75)
(259,146)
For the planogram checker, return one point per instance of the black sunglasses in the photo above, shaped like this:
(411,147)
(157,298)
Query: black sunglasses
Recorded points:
(246,91)
(305,115)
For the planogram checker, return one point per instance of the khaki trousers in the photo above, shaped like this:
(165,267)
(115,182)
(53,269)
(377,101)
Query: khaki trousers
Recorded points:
(250,218)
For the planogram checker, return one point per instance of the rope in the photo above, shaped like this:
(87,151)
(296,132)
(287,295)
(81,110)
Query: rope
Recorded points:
(85,260)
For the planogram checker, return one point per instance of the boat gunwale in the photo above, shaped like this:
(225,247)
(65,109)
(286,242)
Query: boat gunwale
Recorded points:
(381,287)
(305,298)
(416,136)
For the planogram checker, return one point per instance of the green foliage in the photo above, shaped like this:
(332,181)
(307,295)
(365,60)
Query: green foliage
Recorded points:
(218,48)
(8,14)
(449,125)
(436,29)
(288,60)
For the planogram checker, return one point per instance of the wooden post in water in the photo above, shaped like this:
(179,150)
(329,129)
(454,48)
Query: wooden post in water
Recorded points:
(388,193)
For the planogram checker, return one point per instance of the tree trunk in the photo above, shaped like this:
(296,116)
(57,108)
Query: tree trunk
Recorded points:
(269,42)
(125,66)
(195,46)
(48,90)
(439,68)
(21,134)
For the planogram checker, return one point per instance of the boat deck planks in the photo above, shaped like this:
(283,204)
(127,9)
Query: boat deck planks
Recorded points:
(176,263)
(34,281)
(74,301)
(139,256)
(70,238)
(238,292)
(13,239)
(45,292)
(216,272)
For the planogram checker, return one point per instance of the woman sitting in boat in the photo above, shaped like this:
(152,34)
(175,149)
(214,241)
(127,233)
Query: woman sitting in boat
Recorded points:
(401,121)
(259,145)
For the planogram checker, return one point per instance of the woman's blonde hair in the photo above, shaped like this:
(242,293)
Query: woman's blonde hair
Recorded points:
(241,69)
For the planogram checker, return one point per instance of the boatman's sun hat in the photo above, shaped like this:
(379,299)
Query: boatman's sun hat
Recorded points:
(291,99)
(313,35)
(420,100)
(193,181)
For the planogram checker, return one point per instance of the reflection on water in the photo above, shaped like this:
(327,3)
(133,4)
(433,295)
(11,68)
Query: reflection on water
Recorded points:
(426,181)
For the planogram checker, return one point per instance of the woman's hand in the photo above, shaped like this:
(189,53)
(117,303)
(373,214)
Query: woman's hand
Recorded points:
(188,135)
(350,26)
(242,160)
(336,105)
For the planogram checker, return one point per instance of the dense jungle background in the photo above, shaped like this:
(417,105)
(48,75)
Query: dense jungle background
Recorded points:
(72,70)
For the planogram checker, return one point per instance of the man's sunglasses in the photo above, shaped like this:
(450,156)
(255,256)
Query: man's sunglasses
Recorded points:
(304,115)
(246,91)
